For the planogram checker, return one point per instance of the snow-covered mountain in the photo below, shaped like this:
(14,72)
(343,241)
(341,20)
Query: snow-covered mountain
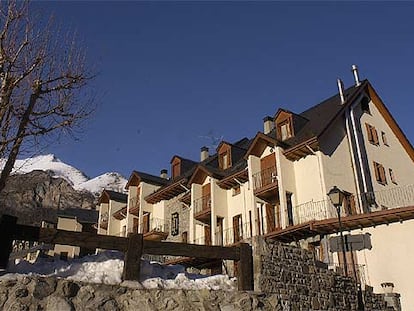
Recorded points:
(79,181)
(113,181)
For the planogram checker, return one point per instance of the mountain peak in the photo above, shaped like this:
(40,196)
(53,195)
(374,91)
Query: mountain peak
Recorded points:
(56,168)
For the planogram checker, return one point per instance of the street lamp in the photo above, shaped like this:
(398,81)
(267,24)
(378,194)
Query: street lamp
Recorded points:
(337,196)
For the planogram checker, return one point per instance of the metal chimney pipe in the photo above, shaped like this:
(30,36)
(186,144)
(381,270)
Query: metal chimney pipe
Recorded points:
(356,75)
(164,174)
(341,90)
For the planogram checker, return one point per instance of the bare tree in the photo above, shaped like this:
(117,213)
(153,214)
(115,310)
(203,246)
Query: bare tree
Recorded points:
(44,79)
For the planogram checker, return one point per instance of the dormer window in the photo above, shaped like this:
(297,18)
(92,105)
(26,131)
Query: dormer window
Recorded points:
(224,156)
(284,130)
(176,167)
(284,125)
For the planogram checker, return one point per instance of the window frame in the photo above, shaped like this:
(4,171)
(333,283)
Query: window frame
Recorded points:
(372,134)
(379,171)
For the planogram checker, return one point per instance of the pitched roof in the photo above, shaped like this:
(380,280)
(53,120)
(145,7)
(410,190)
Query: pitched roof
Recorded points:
(113,195)
(321,115)
(82,215)
(147,178)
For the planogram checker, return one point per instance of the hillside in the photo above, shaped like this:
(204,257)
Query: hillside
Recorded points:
(40,186)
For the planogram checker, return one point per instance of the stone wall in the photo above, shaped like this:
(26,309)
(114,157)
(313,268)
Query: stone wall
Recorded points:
(300,284)
(50,294)
(286,279)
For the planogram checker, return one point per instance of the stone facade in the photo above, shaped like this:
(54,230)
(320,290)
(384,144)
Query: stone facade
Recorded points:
(50,294)
(175,206)
(300,284)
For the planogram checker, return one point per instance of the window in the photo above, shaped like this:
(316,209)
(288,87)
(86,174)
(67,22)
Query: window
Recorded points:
(237,228)
(372,134)
(365,105)
(284,130)
(392,176)
(174,224)
(236,190)
(224,160)
(384,139)
(380,174)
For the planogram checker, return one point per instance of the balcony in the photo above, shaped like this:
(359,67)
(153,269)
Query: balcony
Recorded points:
(134,204)
(155,229)
(231,236)
(366,202)
(202,209)
(265,184)
(103,223)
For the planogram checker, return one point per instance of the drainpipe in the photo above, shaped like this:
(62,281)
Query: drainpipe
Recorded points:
(350,115)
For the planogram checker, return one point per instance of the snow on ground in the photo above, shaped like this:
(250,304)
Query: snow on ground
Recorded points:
(107,266)
(79,181)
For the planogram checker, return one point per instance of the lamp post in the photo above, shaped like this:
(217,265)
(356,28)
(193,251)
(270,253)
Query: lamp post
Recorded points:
(337,196)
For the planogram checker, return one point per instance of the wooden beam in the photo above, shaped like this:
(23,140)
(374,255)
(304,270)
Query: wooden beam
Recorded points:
(245,268)
(7,226)
(191,250)
(132,261)
(82,239)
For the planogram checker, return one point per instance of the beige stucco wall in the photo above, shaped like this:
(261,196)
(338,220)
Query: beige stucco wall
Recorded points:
(392,156)
(336,160)
(390,259)
(69,224)
(114,225)
(103,210)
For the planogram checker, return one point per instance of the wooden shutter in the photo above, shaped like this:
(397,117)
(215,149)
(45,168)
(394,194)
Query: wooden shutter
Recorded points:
(145,223)
(207,235)
(375,136)
(270,218)
(135,225)
(382,174)
(369,133)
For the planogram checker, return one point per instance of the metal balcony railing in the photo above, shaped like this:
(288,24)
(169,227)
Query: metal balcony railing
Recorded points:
(134,205)
(155,225)
(202,204)
(233,235)
(264,178)
(365,202)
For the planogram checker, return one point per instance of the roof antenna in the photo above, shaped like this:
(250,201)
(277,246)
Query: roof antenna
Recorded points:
(356,76)
(341,90)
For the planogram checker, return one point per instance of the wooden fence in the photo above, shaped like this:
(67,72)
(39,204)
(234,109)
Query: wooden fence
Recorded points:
(134,246)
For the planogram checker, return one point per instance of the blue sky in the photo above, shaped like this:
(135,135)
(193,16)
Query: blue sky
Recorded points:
(173,73)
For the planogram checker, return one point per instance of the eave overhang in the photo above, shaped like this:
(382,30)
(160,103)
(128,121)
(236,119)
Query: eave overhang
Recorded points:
(121,214)
(234,180)
(259,144)
(167,192)
(303,149)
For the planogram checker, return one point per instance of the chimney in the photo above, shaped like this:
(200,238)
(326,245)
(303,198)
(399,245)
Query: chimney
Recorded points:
(164,173)
(268,124)
(204,153)
(356,76)
(341,90)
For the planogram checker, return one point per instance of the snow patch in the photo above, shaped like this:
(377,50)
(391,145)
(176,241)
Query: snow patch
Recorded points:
(106,268)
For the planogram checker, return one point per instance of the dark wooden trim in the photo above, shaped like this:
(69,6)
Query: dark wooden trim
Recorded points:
(191,250)
(132,261)
(7,225)
(134,246)
(245,267)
